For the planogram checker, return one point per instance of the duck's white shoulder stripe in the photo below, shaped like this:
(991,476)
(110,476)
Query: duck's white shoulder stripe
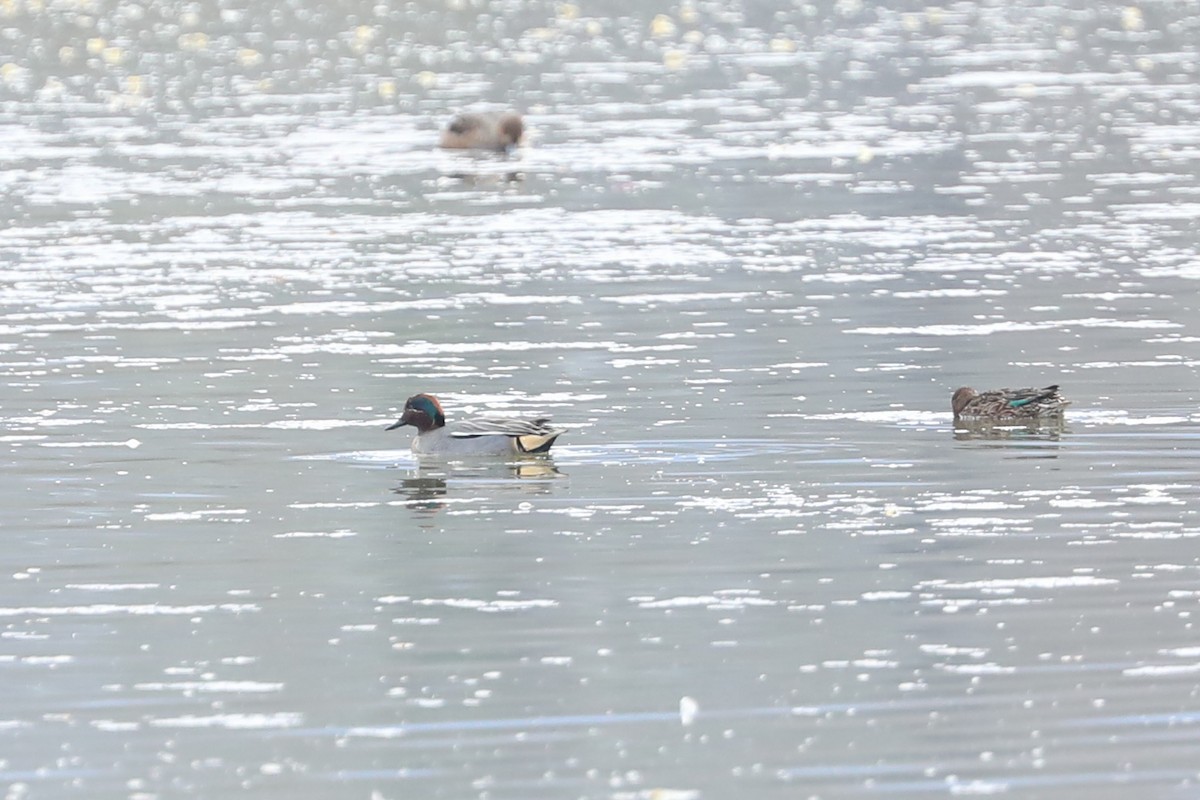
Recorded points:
(500,426)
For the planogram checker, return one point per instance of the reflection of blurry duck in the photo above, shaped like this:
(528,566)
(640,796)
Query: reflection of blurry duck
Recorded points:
(1008,405)
(488,131)
(1032,431)
(480,436)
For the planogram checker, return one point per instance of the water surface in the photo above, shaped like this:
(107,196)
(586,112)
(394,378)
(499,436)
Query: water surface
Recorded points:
(746,256)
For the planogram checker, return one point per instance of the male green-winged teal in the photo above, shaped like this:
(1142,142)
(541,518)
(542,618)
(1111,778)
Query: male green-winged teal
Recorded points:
(479,436)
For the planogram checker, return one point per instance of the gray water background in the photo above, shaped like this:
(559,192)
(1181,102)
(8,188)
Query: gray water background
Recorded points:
(749,251)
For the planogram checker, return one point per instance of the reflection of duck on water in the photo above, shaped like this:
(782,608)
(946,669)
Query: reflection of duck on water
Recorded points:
(425,494)
(1013,433)
(431,492)
(422,488)
(479,436)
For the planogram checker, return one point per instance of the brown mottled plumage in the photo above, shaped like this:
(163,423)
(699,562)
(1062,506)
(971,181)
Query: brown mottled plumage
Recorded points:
(488,131)
(1008,405)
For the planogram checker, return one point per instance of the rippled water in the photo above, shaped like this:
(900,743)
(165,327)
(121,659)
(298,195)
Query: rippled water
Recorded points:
(747,254)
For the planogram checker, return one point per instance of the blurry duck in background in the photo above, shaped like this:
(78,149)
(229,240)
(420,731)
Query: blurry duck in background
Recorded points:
(497,132)
(479,436)
(1008,405)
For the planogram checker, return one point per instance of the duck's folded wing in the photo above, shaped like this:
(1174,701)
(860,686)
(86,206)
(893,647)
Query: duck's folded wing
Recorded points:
(1023,397)
(528,435)
(501,426)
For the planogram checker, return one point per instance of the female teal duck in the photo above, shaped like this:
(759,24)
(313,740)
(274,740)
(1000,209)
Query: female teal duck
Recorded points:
(498,132)
(480,436)
(1008,405)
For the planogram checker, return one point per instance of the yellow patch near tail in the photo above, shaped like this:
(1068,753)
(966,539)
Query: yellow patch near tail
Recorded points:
(536,444)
